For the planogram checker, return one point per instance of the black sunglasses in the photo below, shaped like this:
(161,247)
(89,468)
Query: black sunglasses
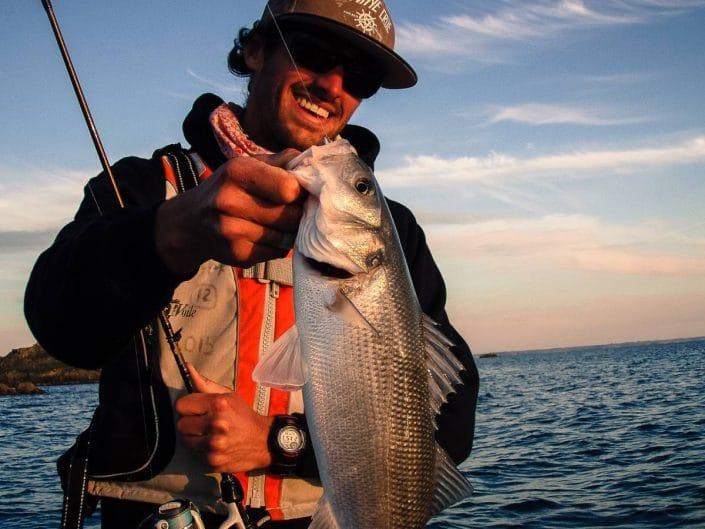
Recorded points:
(361,79)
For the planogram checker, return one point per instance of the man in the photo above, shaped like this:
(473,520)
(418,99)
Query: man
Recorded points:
(215,254)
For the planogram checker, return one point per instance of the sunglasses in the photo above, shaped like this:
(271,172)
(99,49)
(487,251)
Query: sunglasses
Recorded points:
(361,78)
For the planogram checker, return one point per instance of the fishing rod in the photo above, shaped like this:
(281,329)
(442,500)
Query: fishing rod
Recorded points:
(230,488)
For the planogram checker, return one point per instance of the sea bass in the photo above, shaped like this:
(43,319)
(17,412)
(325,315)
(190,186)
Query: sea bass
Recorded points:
(374,369)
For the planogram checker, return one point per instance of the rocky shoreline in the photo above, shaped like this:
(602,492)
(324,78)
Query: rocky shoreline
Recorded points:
(23,370)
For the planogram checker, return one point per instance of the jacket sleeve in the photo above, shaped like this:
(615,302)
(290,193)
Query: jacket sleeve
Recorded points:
(102,280)
(456,423)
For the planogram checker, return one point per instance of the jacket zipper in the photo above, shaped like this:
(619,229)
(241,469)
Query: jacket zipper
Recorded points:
(156,422)
(237,326)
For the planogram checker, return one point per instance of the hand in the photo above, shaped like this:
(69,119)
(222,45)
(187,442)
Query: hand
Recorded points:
(219,424)
(247,212)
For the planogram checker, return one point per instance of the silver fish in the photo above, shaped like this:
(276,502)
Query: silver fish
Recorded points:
(375,369)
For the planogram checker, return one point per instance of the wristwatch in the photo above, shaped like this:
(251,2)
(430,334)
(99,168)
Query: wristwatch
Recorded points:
(287,443)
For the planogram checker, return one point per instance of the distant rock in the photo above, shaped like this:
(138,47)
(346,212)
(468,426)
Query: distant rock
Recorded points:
(489,355)
(29,367)
(7,390)
(28,388)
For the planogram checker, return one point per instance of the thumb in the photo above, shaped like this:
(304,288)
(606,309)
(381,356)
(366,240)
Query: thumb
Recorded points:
(203,385)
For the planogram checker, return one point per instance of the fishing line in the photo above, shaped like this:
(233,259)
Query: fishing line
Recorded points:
(296,67)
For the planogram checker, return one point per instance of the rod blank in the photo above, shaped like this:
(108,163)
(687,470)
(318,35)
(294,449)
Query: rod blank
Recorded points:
(82,99)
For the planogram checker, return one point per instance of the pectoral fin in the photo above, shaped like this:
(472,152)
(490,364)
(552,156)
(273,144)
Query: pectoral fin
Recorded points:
(342,306)
(282,365)
(323,518)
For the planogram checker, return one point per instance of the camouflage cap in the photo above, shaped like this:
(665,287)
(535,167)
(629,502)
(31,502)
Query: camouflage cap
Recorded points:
(366,24)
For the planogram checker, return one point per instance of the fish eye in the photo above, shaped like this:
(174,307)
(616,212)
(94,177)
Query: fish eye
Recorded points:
(376,259)
(363,186)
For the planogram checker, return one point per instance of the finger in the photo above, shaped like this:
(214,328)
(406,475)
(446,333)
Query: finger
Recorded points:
(239,203)
(196,443)
(279,159)
(195,425)
(193,404)
(204,385)
(244,253)
(265,181)
(231,228)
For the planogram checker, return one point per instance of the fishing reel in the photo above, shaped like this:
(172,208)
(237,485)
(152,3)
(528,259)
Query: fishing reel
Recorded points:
(177,514)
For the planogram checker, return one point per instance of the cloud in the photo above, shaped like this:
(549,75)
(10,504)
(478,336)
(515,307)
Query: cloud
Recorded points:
(428,217)
(574,242)
(491,34)
(44,199)
(551,114)
(607,318)
(623,261)
(545,281)
(233,88)
(13,241)
(578,164)
(616,79)
(177,95)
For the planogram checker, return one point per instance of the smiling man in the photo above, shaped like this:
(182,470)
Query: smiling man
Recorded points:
(205,233)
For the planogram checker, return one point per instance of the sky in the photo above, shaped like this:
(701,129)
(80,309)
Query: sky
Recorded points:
(553,151)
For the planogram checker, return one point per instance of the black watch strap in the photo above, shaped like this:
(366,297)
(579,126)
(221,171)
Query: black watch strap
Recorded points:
(287,442)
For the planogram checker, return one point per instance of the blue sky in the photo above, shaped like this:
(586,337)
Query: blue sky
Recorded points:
(554,151)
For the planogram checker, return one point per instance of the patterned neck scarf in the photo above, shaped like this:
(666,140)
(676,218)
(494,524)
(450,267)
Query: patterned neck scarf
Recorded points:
(233,142)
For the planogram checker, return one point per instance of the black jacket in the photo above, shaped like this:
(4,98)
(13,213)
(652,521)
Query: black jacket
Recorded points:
(94,294)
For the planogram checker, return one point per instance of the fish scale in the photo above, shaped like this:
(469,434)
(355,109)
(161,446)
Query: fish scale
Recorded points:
(412,431)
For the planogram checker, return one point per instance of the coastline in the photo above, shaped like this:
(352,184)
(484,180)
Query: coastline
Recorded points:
(24,370)
(611,345)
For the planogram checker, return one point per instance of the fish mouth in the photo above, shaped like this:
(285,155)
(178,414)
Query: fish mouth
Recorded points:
(328,270)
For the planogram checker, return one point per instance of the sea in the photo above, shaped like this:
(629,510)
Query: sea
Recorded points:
(605,436)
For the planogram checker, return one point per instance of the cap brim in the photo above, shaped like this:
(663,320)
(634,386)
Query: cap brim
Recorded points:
(397,72)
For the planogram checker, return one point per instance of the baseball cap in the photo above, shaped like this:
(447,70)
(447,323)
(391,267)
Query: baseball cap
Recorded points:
(366,24)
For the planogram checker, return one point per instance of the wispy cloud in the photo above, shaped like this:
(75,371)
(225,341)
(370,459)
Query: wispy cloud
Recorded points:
(575,242)
(553,114)
(12,241)
(232,88)
(491,34)
(605,318)
(44,199)
(579,164)
(619,79)
(177,95)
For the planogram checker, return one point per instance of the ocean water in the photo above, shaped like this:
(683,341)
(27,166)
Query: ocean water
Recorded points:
(597,437)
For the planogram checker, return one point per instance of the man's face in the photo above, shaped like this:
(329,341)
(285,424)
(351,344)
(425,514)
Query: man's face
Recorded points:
(288,110)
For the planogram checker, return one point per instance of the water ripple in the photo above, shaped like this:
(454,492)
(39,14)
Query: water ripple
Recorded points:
(600,437)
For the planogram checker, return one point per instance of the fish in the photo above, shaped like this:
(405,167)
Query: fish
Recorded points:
(373,368)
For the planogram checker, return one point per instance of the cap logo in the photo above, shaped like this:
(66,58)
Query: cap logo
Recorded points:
(368,16)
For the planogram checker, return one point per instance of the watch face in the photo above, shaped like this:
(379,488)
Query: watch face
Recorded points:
(291,440)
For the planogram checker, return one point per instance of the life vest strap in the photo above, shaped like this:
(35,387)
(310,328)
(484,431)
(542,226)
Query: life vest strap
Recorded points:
(277,271)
